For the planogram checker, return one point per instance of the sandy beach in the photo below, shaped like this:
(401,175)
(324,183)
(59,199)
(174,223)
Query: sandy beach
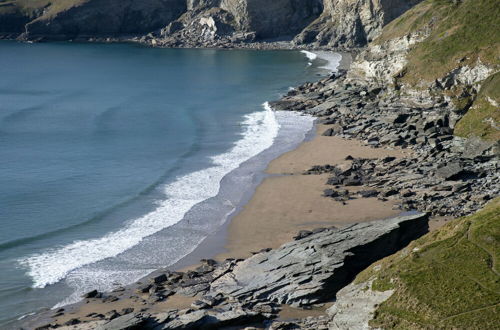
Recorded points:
(289,201)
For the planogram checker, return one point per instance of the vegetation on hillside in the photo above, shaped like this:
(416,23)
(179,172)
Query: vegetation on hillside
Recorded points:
(449,278)
(483,118)
(36,8)
(460,31)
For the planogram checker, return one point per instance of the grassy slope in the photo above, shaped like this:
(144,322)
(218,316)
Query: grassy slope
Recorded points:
(447,279)
(483,119)
(467,31)
(460,34)
(33,8)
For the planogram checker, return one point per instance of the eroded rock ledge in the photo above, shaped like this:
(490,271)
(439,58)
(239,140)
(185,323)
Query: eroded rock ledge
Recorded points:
(304,272)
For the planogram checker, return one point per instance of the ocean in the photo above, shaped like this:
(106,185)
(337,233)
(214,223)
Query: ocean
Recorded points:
(116,159)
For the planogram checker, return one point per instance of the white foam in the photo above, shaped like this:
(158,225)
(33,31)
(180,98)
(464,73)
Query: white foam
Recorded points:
(310,55)
(260,130)
(333,59)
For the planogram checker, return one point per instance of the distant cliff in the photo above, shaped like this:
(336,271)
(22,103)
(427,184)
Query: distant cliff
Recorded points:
(202,23)
(62,20)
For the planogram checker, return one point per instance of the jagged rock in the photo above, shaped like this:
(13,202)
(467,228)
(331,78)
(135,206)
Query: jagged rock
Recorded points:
(93,294)
(352,181)
(302,234)
(209,319)
(111,315)
(72,322)
(127,310)
(130,321)
(159,279)
(144,288)
(328,132)
(312,269)
(110,298)
(368,193)
(452,171)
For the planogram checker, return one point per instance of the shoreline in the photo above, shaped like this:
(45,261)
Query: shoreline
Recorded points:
(287,201)
(255,45)
(349,172)
(215,243)
(239,238)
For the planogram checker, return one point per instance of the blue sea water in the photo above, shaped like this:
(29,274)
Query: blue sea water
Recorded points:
(113,158)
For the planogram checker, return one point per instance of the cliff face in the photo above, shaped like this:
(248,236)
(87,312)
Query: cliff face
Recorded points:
(90,18)
(12,19)
(220,23)
(327,23)
(440,52)
(270,19)
(347,23)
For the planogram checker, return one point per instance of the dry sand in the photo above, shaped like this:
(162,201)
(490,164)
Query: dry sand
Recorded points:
(289,201)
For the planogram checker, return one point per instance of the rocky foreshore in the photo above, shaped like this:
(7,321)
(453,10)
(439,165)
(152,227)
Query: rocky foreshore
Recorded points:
(445,175)
(303,273)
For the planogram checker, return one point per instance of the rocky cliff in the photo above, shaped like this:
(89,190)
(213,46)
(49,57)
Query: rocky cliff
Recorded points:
(225,23)
(203,23)
(65,20)
(349,24)
(440,54)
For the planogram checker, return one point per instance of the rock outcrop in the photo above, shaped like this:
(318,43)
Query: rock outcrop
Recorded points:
(271,19)
(312,269)
(444,175)
(228,22)
(351,24)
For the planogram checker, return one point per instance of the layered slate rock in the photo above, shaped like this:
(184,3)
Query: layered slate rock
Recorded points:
(236,292)
(311,270)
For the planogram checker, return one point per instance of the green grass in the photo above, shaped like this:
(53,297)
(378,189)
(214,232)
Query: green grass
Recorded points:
(447,279)
(483,119)
(33,8)
(465,32)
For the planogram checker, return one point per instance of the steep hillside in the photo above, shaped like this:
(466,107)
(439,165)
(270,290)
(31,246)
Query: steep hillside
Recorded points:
(68,19)
(222,23)
(483,118)
(441,50)
(447,279)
